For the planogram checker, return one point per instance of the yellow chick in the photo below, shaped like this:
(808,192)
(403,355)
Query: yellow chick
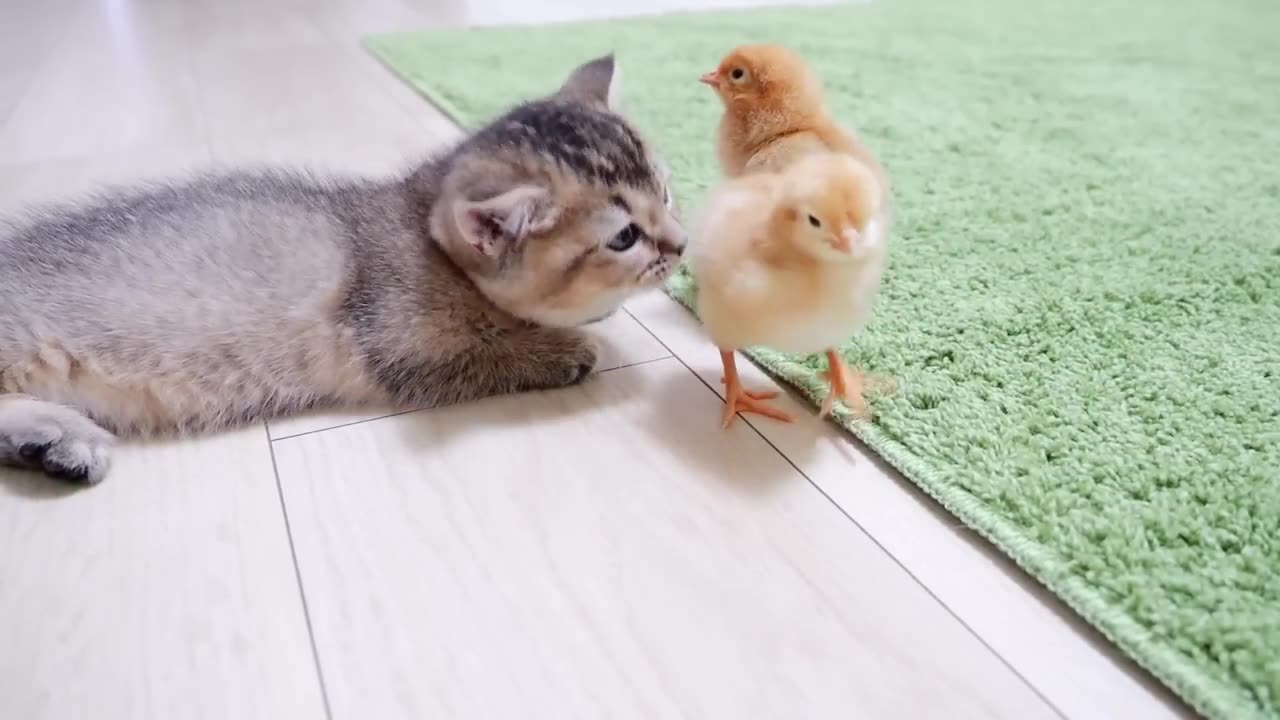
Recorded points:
(775,113)
(791,261)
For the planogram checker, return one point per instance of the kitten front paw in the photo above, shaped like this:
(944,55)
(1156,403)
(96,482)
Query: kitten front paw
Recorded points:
(566,359)
(56,440)
(580,361)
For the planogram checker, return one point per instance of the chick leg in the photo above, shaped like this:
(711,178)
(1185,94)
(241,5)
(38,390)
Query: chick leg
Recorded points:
(737,399)
(845,385)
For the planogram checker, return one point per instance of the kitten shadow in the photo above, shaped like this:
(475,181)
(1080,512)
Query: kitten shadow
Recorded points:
(440,427)
(32,485)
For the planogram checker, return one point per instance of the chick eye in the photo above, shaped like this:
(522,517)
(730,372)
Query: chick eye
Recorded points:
(625,239)
(815,221)
(737,74)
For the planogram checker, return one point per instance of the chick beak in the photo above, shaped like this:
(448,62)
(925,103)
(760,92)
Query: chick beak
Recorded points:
(845,241)
(712,78)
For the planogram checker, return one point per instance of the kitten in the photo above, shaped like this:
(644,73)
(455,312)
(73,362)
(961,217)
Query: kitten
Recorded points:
(230,299)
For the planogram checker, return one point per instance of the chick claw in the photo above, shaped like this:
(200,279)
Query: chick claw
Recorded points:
(738,399)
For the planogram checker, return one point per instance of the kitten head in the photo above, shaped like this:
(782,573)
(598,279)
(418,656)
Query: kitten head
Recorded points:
(558,210)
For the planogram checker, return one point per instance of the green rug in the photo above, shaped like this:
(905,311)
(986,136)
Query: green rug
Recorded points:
(1082,307)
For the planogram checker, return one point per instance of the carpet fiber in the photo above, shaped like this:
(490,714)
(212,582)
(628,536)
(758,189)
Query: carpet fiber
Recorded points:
(1082,308)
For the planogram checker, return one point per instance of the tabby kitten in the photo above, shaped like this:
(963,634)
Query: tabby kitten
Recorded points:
(230,299)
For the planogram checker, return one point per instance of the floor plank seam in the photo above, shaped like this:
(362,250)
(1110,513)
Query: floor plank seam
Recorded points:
(361,421)
(638,363)
(297,572)
(968,628)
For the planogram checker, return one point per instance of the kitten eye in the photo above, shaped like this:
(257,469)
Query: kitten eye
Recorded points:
(625,239)
(666,197)
(814,221)
(737,74)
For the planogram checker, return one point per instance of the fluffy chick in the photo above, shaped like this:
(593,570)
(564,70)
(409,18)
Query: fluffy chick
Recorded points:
(775,113)
(791,261)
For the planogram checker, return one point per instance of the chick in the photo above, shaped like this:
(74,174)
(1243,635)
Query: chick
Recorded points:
(775,113)
(791,261)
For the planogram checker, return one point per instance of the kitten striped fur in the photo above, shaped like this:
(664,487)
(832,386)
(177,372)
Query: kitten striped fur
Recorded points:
(188,307)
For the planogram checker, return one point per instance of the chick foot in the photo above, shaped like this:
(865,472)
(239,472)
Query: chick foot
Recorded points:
(740,400)
(846,385)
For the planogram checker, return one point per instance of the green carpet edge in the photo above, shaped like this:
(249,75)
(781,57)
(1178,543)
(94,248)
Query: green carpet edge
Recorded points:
(1206,696)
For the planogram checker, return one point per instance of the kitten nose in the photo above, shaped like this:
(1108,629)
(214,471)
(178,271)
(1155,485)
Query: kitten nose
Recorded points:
(673,244)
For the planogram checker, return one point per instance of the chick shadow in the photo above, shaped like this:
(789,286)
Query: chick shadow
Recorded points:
(684,417)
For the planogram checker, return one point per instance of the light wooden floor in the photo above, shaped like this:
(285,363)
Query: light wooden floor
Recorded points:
(642,563)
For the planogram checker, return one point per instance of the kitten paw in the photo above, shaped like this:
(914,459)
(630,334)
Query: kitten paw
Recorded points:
(55,440)
(562,358)
(581,361)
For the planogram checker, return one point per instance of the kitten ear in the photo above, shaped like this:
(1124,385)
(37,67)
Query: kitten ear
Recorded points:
(595,82)
(493,226)
(663,168)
